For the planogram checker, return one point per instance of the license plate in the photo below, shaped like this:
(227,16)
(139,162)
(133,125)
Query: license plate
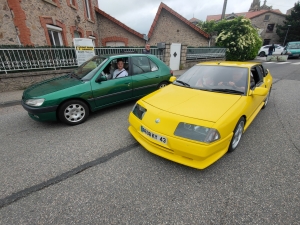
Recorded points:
(154,136)
(296,55)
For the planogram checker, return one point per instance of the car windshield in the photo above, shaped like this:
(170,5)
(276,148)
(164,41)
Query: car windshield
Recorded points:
(294,46)
(216,78)
(88,69)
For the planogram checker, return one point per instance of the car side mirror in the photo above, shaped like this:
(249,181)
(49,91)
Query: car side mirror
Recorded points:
(260,91)
(101,78)
(172,79)
(267,71)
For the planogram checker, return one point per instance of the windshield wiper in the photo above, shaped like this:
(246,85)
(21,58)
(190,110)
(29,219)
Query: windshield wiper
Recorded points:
(181,82)
(231,91)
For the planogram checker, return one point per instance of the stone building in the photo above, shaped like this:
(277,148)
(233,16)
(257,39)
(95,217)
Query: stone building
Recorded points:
(57,22)
(115,33)
(169,26)
(49,22)
(262,17)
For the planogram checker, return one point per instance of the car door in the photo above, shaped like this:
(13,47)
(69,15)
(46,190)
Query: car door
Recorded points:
(108,92)
(254,101)
(278,50)
(145,75)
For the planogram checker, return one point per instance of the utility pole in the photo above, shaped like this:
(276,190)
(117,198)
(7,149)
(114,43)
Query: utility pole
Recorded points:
(224,9)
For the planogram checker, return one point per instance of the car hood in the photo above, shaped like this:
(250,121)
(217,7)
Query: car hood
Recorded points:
(50,86)
(193,103)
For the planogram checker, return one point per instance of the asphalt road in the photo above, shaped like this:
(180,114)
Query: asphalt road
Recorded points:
(96,173)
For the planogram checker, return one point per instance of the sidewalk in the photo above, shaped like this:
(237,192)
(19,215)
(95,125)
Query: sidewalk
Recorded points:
(14,97)
(10,98)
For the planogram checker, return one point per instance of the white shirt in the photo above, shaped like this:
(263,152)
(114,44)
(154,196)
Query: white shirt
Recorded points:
(122,73)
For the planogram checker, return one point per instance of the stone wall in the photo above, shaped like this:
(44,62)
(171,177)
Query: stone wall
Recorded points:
(261,23)
(8,32)
(31,16)
(170,29)
(111,32)
(20,81)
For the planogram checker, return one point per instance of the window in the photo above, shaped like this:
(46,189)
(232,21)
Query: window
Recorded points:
(266,41)
(154,67)
(76,34)
(55,35)
(270,28)
(115,44)
(87,6)
(140,65)
(267,17)
(93,39)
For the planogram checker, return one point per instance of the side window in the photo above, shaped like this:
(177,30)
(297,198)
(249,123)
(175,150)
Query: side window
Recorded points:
(257,75)
(153,66)
(264,70)
(140,64)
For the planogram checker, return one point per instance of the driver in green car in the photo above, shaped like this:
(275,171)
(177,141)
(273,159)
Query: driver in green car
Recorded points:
(120,72)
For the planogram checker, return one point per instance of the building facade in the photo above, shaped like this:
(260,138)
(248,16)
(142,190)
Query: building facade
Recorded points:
(169,26)
(50,22)
(264,18)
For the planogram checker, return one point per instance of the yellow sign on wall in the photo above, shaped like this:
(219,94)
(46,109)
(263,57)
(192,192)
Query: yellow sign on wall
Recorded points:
(84,49)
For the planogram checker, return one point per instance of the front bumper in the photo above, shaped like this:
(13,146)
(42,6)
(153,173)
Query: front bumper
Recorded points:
(193,154)
(41,113)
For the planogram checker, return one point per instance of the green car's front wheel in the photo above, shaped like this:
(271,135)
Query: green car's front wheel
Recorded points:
(163,84)
(73,112)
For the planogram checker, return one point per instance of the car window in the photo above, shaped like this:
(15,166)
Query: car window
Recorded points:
(140,64)
(88,69)
(153,66)
(220,78)
(257,72)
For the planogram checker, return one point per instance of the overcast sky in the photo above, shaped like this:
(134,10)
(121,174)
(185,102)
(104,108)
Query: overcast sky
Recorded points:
(139,14)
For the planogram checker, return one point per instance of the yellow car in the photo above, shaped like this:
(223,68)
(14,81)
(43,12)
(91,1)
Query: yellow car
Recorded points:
(202,115)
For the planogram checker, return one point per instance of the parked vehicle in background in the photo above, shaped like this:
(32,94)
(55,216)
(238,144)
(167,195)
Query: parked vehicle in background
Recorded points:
(292,49)
(70,98)
(263,51)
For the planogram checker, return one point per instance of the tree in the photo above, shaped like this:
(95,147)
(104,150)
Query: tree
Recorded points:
(294,21)
(239,37)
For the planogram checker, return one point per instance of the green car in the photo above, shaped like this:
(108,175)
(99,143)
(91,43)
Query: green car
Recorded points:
(71,98)
(292,49)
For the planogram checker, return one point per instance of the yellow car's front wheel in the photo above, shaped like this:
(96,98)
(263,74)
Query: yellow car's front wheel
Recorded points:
(237,134)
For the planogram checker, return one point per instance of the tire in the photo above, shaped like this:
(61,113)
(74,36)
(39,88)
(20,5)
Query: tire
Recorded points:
(237,134)
(73,112)
(262,54)
(267,99)
(163,84)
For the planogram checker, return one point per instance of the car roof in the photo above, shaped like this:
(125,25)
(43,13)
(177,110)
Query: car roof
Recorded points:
(124,55)
(230,63)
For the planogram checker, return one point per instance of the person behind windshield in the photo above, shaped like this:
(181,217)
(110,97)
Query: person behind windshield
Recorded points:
(237,81)
(205,80)
(120,72)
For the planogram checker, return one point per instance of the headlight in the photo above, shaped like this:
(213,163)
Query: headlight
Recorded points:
(197,133)
(139,111)
(35,102)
